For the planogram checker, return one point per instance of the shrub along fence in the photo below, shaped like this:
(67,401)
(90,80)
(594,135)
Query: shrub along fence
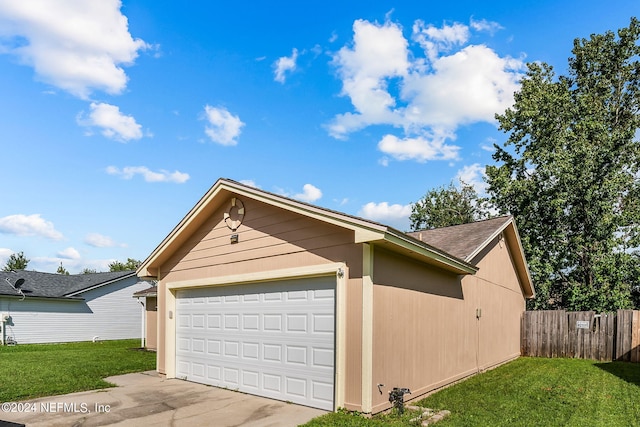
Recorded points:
(582,334)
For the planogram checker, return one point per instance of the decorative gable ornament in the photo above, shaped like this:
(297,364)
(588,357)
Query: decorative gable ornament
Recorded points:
(234,216)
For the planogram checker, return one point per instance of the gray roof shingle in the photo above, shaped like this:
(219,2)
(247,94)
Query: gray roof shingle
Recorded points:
(463,240)
(50,285)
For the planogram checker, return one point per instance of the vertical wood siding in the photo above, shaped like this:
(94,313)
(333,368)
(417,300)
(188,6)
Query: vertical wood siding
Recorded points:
(109,312)
(582,335)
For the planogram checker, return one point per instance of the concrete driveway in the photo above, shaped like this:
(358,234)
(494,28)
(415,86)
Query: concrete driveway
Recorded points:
(145,399)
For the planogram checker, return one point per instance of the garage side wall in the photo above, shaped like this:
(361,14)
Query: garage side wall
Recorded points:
(432,328)
(501,301)
(425,329)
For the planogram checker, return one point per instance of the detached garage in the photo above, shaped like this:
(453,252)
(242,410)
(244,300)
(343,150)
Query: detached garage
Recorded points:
(275,297)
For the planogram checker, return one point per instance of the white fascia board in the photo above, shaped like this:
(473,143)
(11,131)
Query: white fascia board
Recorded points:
(143,269)
(365,231)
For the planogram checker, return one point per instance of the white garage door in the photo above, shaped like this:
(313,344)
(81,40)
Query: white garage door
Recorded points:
(273,339)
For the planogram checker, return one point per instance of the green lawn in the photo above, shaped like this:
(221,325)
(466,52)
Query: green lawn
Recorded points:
(531,392)
(36,370)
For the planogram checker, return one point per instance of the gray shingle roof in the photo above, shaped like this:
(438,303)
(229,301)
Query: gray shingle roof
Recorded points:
(463,240)
(49,285)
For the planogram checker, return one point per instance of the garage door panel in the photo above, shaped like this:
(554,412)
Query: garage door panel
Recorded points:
(273,339)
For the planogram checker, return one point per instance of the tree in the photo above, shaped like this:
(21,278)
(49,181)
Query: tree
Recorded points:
(89,271)
(445,206)
(568,173)
(131,264)
(16,261)
(62,270)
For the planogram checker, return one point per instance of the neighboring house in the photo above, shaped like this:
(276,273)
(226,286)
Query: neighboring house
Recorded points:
(279,298)
(149,317)
(46,307)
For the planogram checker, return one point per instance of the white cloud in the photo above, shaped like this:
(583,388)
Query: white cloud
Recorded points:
(69,253)
(129,172)
(469,86)
(4,255)
(284,65)
(29,225)
(379,52)
(309,194)
(484,25)
(473,175)
(99,241)
(419,148)
(451,85)
(435,40)
(489,145)
(73,265)
(395,215)
(249,182)
(113,123)
(78,46)
(223,127)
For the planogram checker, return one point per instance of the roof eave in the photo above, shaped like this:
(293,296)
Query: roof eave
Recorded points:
(99,285)
(489,239)
(364,231)
(513,239)
(30,297)
(429,253)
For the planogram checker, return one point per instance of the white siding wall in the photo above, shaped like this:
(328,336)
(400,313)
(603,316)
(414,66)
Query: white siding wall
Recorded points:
(109,312)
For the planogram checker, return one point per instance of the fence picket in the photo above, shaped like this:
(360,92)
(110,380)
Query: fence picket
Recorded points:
(585,335)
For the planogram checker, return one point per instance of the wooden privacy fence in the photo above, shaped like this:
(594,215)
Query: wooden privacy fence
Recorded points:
(582,334)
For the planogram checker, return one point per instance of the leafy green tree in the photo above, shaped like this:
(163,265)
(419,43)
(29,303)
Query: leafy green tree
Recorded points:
(16,261)
(62,270)
(89,271)
(569,173)
(445,206)
(131,264)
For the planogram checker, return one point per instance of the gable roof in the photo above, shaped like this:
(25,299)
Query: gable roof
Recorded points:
(50,285)
(450,248)
(466,241)
(365,231)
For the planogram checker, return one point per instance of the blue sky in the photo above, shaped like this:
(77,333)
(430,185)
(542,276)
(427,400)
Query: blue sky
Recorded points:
(116,117)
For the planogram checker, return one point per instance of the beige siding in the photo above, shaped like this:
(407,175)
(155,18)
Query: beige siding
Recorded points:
(162,323)
(353,392)
(269,239)
(426,334)
(152,322)
(424,329)
(502,303)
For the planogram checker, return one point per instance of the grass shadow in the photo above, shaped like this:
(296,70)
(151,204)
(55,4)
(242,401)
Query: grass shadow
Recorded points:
(627,371)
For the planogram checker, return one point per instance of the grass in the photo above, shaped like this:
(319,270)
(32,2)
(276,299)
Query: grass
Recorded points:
(530,392)
(36,370)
